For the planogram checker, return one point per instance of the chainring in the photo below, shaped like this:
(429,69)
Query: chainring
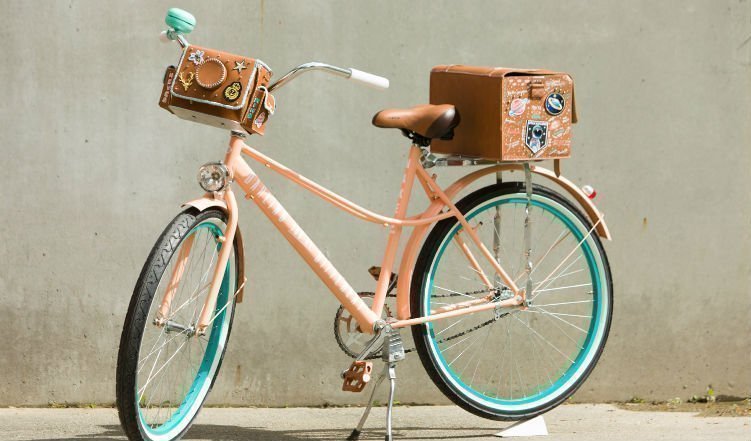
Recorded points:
(349,337)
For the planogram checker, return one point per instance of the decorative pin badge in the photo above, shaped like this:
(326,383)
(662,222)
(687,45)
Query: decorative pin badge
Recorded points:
(186,82)
(518,105)
(196,57)
(239,66)
(554,104)
(260,120)
(232,92)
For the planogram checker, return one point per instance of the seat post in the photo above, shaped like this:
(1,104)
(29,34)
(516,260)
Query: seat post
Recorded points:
(417,139)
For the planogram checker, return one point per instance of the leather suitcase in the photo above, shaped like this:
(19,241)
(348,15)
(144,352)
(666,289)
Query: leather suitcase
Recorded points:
(219,89)
(506,114)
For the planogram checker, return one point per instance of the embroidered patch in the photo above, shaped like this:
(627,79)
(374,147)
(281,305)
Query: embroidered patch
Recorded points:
(253,108)
(518,106)
(196,57)
(239,66)
(232,92)
(536,135)
(260,120)
(186,82)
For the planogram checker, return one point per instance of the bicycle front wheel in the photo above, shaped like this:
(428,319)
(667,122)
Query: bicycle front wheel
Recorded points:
(165,369)
(513,363)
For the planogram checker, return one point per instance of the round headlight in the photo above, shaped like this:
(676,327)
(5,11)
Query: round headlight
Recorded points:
(213,176)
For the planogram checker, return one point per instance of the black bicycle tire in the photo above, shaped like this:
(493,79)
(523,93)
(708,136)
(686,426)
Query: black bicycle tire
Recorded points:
(130,339)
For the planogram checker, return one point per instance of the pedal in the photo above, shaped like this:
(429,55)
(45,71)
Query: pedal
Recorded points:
(357,376)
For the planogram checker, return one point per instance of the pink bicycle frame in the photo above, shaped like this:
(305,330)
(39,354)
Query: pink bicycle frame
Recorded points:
(441,207)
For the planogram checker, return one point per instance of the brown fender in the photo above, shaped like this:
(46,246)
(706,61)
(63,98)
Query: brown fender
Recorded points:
(208,201)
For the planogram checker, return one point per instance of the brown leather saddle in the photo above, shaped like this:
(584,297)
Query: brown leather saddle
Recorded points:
(420,123)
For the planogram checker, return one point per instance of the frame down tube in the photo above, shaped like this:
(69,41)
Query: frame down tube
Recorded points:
(270,206)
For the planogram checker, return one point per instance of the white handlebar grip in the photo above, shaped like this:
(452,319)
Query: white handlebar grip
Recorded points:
(163,37)
(369,79)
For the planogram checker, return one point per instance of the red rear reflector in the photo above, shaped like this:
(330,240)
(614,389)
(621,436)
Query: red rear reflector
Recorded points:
(589,191)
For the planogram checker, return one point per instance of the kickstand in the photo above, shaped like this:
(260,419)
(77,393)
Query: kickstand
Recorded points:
(355,435)
(393,352)
(389,409)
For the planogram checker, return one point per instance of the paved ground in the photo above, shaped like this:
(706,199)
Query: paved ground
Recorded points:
(584,422)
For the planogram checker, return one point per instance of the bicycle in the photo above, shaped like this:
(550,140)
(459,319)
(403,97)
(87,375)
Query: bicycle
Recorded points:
(506,329)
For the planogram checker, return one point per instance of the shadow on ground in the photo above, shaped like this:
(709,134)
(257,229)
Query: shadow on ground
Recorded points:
(235,433)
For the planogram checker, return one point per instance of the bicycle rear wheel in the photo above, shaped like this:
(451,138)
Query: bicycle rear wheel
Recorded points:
(510,364)
(165,370)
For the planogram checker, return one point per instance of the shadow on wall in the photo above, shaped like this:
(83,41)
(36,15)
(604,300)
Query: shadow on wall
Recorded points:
(235,433)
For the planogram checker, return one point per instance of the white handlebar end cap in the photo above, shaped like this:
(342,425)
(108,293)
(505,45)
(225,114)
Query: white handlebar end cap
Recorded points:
(369,79)
(164,37)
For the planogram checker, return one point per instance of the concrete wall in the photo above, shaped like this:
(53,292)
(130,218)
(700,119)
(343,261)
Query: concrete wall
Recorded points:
(91,170)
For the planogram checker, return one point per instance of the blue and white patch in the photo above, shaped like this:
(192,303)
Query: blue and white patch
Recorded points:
(554,104)
(536,135)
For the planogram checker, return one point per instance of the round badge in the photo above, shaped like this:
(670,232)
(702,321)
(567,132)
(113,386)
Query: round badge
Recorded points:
(554,104)
(211,73)
(232,92)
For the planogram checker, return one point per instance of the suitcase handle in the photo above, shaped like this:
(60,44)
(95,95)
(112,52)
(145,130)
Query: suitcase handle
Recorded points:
(536,89)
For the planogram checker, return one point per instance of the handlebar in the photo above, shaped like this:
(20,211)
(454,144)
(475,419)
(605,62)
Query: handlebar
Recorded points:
(368,79)
(182,22)
(353,74)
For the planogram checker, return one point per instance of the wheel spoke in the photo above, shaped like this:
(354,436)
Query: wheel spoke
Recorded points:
(456,292)
(558,288)
(544,339)
(543,311)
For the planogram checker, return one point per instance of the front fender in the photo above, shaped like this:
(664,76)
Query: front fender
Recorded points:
(412,248)
(208,201)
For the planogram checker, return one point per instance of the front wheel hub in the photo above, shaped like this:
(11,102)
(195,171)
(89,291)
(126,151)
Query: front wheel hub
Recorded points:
(171,326)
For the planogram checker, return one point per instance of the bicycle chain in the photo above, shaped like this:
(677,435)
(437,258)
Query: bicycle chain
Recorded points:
(377,355)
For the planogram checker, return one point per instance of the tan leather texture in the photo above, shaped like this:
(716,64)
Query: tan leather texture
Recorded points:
(427,120)
(507,114)
(165,97)
(260,107)
(215,88)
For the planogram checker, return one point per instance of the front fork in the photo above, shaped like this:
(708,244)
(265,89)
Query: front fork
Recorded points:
(162,315)
(207,312)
